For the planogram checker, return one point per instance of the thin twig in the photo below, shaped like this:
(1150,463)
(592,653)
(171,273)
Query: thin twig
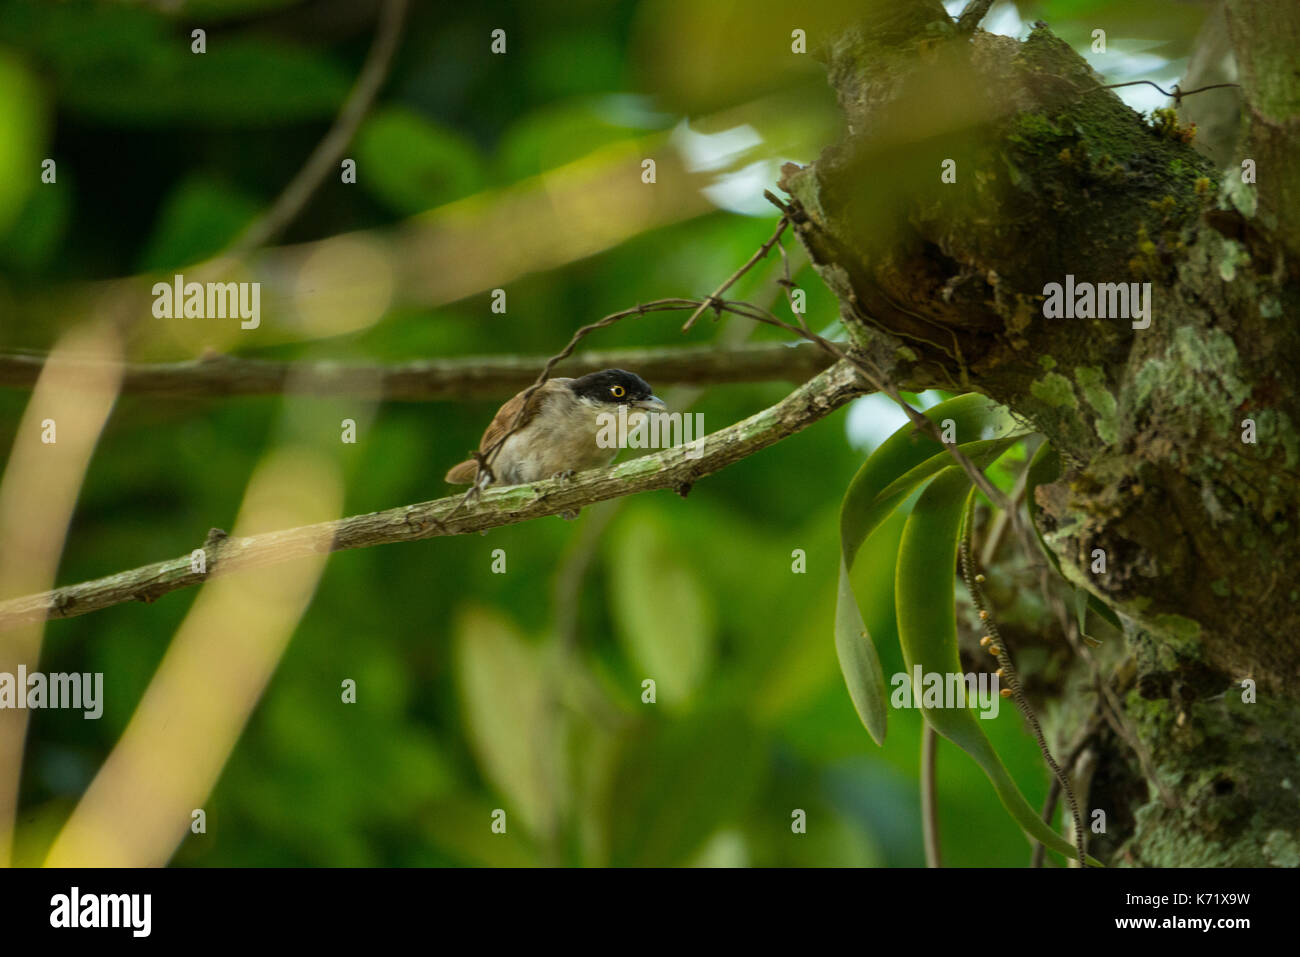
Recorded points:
(1176,93)
(972,14)
(762,251)
(325,157)
(787,283)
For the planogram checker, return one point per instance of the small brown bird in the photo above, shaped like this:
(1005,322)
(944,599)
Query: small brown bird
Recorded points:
(557,434)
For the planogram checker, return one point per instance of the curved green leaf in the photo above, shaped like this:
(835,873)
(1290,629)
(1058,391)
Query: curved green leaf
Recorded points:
(859,661)
(927,628)
(664,615)
(411,164)
(975,417)
(676,783)
(22,132)
(511,728)
(890,474)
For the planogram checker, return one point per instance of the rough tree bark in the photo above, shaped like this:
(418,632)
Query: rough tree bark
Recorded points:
(944,283)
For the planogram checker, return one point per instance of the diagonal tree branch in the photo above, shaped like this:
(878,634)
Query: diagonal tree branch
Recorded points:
(422,380)
(670,468)
(972,14)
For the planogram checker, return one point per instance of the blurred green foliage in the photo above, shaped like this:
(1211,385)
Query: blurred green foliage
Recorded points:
(468,699)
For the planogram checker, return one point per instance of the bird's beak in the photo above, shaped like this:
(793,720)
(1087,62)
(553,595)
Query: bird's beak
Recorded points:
(654,403)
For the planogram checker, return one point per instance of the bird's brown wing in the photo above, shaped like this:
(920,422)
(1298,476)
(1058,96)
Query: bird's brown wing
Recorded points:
(465,472)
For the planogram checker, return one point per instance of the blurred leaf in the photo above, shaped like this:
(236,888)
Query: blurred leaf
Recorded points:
(803,666)
(39,228)
(585,60)
(594,751)
(130,65)
(502,688)
(726,848)
(665,617)
(215,10)
(199,218)
(767,669)
(395,769)
(412,164)
(1174,24)
(463,827)
(21,131)
(553,136)
(699,56)
(832,840)
(37,830)
(676,784)
(859,662)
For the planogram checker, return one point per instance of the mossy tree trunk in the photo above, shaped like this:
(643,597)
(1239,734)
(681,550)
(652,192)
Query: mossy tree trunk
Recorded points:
(1181,463)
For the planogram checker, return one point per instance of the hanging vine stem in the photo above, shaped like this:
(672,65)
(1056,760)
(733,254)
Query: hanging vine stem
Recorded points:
(1054,792)
(993,642)
(929,796)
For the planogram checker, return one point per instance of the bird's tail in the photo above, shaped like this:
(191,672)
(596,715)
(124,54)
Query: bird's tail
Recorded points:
(463,474)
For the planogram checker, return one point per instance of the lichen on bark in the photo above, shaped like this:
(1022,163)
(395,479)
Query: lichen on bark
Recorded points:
(974,171)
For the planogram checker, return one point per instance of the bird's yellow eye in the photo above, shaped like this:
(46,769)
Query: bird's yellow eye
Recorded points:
(617,391)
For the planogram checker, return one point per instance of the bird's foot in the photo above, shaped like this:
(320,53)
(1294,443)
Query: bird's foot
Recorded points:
(564,476)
